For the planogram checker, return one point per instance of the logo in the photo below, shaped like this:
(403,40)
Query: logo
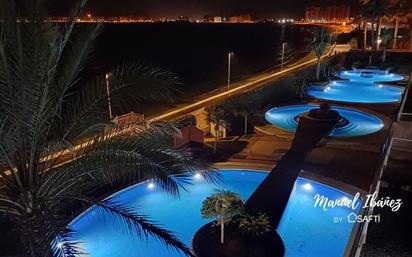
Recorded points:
(372,201)
(353,218)
(355,204)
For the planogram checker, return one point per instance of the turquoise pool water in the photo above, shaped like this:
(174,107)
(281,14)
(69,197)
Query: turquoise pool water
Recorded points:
(369,75)
(356,123)
(361,86)
(306,231)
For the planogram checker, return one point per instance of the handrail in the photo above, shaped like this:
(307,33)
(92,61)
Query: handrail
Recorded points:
(361,234)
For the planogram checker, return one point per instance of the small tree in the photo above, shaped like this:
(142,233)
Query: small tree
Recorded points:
(217,117)
(300,89)
(373,11)
(386,35)
(222,206)
(254,226)
(320,43)
(244,110)
(398,12)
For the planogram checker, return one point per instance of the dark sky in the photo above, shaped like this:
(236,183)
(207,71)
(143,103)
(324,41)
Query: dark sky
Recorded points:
(198,8)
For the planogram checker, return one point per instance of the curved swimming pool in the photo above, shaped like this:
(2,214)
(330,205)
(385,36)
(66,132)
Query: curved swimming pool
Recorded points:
(311,233)
(361,86)
(369,75)
(355,123)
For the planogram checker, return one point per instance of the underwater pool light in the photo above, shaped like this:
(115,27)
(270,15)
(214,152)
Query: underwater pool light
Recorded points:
(307,186)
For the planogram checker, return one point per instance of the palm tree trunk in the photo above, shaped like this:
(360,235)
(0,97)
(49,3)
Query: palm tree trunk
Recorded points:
(32,235)
(365,34)
(222,232)
(373,45)
(215,143)
(379,29)
(395,34)
(217,130)
(318,69)
(384,54)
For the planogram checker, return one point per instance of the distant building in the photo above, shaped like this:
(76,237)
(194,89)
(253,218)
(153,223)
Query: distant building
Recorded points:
(213,19)
(241,18)
(184,18)
(327,13)
(217,19)
(208,18)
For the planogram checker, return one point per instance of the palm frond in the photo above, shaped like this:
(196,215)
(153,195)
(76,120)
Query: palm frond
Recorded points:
(66,244)
(141,82)
(116,155)
(47,108)
(148,82)
(127,220)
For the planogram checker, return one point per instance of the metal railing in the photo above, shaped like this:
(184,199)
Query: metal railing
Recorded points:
(361,234)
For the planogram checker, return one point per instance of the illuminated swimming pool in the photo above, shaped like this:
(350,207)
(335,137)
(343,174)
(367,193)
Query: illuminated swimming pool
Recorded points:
(309,233)
(369,75)
(355,123)
(361,86)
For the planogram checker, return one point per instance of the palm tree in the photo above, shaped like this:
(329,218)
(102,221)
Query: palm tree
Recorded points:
(385,37)
(222,206)
(254,226)
(47,108)
(217,117)
(373,11)
(320,44)
(364,16)
(244,109)
(398,13)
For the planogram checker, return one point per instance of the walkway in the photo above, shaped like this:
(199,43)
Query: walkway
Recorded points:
(241,88)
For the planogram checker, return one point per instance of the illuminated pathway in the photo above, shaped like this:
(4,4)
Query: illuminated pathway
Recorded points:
(258,82)
(211,100)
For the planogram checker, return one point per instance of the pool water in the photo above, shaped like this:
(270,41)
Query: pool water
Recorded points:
(357,123)
(360,88)
(369,75)
(308,231)
(311,232)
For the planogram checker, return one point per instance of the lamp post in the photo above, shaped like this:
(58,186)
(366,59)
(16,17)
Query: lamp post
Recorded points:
(283,55)
(229,57)
(109,102)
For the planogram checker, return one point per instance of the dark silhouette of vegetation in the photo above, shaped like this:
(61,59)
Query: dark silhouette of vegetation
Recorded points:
(320,43)
(46,109)
(218,118)
(254,226)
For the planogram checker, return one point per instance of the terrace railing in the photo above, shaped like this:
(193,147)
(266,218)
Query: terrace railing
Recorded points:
(361,234)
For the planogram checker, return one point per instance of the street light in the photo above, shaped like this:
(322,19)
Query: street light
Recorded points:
(109,102)
(283,55)
(229,56)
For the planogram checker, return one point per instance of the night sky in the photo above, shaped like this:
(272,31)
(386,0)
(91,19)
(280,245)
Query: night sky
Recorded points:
(198,8)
